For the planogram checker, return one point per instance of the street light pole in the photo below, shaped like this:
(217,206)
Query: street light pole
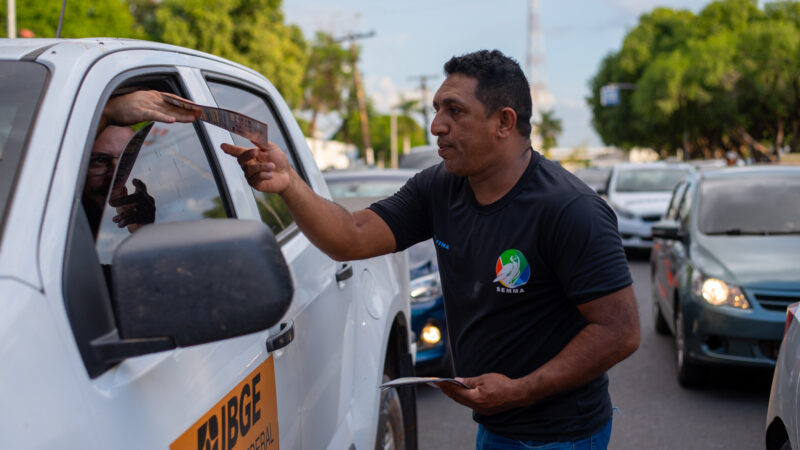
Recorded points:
(11,23)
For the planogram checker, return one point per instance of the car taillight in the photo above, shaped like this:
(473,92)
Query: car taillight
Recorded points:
(791,311)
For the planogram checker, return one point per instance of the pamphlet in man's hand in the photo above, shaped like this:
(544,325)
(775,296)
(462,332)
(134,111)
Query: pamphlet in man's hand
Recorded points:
(420,380)
(236,123)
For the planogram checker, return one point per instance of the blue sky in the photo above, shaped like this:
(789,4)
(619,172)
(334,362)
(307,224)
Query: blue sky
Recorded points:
(416,37)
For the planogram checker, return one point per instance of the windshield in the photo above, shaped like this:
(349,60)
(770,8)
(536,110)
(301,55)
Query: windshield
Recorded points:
(649,180)
(593,176)
(21,87)
(763,205)
(364,188)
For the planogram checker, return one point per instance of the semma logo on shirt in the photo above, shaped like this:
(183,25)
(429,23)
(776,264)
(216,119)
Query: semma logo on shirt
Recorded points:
(512,271)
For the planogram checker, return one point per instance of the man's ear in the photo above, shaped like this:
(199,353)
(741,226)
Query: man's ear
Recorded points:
(506,122)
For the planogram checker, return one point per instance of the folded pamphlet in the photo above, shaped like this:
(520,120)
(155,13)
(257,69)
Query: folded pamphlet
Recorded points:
(236,123)
(405,381)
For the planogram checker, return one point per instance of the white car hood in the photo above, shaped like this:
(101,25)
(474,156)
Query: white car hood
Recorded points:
(642,203)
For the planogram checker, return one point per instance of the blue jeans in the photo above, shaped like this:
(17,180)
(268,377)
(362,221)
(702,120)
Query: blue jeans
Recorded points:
(486,440)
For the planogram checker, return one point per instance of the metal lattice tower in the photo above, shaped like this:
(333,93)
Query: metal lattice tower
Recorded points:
(541,97)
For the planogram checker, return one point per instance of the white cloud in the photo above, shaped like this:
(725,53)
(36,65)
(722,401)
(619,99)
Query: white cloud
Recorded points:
(385,94)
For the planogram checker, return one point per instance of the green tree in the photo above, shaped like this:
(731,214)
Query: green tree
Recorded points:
(725,79)
(380,131)
(250,32)
(82,18)
(326,78)
(549,128)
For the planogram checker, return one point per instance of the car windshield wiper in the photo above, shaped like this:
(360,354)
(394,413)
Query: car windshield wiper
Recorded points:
(740,232)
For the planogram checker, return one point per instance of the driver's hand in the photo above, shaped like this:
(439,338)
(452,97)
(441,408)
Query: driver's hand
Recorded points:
(136,209)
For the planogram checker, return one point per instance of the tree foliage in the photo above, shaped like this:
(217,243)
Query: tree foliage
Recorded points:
(327,78)
(250,32)
(549,128)
(725,79)
(82,18)
(380,131)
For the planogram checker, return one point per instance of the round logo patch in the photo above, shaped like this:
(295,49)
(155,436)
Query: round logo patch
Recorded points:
(512,269)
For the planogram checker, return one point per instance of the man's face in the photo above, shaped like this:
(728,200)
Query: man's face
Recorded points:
(465,135)
(104,158)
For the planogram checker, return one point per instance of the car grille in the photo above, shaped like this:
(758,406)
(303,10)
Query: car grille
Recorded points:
(652,218)
(776,302)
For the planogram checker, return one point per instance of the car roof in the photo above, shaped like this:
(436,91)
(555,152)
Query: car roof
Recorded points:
(368,174)
(652,165)
(741,172)
(89,49)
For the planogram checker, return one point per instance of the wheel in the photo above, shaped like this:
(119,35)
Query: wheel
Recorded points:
(659,322)
(786,446)
(391,432)
(689,374)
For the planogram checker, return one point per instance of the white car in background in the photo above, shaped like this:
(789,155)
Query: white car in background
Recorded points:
(216,324)
(639,194)
(783,412)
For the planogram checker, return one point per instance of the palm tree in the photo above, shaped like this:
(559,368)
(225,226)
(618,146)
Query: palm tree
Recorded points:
(549,129)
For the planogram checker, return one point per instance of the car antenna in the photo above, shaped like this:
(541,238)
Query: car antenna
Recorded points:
(61,19)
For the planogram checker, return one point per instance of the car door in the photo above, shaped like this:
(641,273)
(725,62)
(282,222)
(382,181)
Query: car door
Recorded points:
(676,252)
(660,251)
(217,395)
(319,364)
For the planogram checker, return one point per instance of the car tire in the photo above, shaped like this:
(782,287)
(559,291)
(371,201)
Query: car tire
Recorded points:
(391,430)
(659,322)
(689,374)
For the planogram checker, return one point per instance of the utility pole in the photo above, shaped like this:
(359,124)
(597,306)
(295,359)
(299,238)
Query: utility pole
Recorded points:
(362,104)
(424,90)
(11,23)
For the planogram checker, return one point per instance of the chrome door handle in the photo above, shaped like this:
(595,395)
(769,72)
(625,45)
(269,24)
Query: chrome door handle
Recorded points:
(283,338)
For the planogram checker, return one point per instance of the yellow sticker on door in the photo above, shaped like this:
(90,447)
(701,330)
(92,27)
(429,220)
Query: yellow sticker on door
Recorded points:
(245,419)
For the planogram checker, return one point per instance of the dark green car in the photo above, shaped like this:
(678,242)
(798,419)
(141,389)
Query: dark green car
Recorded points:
(725,264)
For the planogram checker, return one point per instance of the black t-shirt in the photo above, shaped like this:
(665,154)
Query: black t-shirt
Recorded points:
(512,274)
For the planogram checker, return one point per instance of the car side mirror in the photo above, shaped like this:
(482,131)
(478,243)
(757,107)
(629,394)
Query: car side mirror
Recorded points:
(602,190)
(186,283)
(668,229)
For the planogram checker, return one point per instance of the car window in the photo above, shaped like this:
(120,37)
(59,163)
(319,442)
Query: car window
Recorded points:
(20,90)
(760,204)
(170,180)
(271,207)
(648,180)
(677,196)
(684,210)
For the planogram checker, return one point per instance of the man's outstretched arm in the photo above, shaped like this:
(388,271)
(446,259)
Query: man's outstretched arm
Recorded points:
(334,230)
(139,106)
(612,334)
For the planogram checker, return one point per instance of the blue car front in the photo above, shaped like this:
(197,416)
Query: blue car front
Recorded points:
(427,311)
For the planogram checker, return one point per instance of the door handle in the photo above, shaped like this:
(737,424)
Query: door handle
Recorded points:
(283,338)
(344,273)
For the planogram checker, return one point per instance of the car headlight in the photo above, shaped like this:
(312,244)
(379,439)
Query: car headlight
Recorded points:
(425,288)
(717,292)
(622,211)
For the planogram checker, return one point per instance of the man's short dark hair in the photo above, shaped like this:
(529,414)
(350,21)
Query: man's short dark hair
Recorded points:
(501,83)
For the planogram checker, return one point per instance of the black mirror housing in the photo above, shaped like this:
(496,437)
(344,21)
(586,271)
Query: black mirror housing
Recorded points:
(199,281)
(667,229)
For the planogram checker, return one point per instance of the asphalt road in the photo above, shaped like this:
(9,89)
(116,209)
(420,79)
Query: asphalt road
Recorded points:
(653,411)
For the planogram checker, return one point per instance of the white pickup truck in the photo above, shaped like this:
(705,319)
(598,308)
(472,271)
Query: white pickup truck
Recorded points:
(215,326)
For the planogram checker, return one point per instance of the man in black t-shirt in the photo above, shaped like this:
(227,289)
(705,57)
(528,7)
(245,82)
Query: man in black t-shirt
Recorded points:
(537,290)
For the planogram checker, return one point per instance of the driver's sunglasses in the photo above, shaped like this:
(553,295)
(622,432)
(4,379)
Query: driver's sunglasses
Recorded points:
(100,163)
